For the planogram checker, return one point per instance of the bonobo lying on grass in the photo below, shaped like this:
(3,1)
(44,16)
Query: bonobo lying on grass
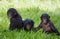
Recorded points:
(28,24)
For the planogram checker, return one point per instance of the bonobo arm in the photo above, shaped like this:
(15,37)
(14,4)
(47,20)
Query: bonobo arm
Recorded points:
(54,29)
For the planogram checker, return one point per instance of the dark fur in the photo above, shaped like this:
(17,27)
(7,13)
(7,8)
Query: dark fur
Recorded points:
(15,19)
(28,24)
(47,25)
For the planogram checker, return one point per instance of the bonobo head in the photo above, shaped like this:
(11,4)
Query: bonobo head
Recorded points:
(45,18)
(12,13)
(28,24)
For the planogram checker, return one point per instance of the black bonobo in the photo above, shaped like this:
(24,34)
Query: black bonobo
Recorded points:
(15,19)
(28,24)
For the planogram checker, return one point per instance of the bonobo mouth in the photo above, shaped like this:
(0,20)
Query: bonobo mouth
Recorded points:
(45,23)
(10,17)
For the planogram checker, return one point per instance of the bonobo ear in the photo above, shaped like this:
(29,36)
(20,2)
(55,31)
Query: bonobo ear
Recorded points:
(49,16)
(41,17)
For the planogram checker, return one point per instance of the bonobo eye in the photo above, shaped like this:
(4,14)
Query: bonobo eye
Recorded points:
(44,18)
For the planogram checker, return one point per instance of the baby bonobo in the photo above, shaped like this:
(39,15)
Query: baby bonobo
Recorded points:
(47,25)
(15,19)
(28,24)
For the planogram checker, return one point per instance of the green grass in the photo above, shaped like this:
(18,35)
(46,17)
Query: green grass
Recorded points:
(32,10)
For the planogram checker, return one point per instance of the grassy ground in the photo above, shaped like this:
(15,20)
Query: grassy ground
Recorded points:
(31,9)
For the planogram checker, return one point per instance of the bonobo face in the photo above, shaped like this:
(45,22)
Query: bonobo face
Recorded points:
(45,18)
(11,13)
(28,26)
